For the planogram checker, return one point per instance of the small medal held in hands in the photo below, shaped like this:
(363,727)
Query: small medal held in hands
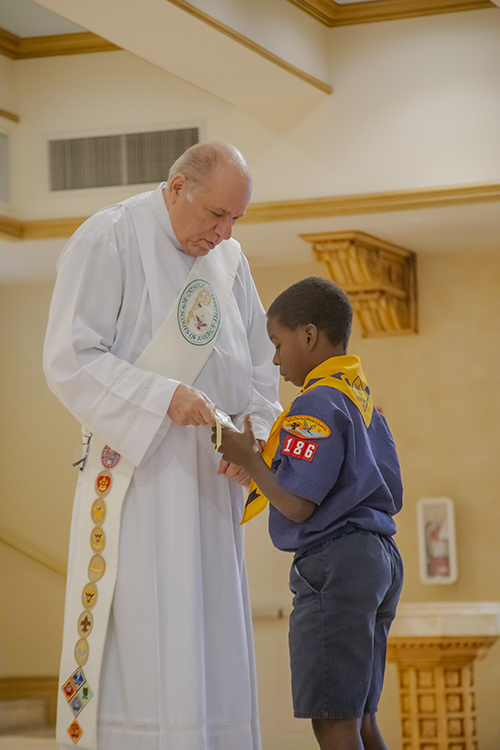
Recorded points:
(222,420)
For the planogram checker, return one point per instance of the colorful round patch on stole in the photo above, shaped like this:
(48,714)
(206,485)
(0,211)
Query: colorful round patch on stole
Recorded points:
(81,652)
(98,512)
(89,596)
(85,624)
(97,539)
(198,313)
(305,427)
(103,483)
(109,457)
(97,568)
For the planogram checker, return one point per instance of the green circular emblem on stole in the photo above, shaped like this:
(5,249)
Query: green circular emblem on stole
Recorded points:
(198,313)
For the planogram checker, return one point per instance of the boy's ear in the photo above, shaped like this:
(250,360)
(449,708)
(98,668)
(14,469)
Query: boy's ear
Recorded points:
(311,335)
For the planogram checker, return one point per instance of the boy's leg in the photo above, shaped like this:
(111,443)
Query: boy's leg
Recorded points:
(370,733)
(349,734)
(338,734)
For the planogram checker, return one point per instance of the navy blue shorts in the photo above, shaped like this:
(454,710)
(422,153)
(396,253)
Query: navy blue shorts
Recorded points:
(346,591)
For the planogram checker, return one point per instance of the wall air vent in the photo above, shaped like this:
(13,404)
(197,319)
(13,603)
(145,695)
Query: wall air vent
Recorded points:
(105,161)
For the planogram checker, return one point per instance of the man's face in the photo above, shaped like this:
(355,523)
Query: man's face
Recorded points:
(206,217)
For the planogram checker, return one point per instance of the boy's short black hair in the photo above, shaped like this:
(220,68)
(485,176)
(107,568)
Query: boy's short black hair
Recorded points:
(318,301)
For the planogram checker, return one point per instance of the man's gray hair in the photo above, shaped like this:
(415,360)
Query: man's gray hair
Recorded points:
(199,161)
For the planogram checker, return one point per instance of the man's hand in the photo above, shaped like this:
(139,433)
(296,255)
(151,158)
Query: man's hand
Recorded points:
(190,406)
(231,470)
(234,473)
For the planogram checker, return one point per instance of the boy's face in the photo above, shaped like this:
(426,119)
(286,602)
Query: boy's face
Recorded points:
(292,353)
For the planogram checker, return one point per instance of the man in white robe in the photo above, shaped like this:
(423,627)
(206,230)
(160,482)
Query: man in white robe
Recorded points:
(178,668)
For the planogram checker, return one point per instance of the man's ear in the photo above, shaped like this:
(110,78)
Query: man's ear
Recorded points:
(177,183)
(311,335)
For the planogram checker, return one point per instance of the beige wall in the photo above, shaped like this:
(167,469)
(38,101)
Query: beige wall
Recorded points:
(439,393)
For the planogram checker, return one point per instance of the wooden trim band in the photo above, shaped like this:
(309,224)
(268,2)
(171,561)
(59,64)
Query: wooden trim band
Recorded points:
(11,229)
(9,44)
(24,48)
(333,14)
(9,115)
(369,203)
(46,229)
(293,210)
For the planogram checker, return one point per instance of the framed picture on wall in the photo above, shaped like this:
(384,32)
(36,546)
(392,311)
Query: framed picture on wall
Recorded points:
(436,540)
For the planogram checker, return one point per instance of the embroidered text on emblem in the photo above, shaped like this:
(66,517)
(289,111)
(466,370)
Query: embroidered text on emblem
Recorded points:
(198,313)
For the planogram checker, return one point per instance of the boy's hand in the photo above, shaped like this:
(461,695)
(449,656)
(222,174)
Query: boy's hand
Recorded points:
(238,447)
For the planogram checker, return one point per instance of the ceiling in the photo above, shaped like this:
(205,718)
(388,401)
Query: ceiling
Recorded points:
(25,18)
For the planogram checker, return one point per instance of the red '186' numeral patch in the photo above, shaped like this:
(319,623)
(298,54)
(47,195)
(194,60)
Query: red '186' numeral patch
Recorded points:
(304,449)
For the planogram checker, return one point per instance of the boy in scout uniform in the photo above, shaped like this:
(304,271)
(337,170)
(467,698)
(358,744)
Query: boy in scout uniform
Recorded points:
(331,474)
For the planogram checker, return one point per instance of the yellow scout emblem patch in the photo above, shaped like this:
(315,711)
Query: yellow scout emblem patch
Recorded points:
(81,652)
(89,596)
(97,568)
(85,624)
(97,539)
(98,512)
(305,427)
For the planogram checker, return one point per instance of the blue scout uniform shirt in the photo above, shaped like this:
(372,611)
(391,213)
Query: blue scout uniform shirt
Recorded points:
(328,455)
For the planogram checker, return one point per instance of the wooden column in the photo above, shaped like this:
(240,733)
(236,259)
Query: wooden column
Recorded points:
(436,690)
(436,670)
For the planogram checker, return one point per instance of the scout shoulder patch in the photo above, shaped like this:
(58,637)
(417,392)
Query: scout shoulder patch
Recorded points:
(294,446)
(304,426)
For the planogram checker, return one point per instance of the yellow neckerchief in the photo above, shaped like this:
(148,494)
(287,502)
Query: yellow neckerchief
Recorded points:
(343,373)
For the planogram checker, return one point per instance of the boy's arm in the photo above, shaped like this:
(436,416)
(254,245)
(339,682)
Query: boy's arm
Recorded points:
(242,449)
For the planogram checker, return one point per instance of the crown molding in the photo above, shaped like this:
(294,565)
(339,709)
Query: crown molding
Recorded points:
(293,210)
(24,48)
(369,203)
(333,14)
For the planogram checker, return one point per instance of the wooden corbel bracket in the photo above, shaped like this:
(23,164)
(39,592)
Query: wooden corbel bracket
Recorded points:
(380,279)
